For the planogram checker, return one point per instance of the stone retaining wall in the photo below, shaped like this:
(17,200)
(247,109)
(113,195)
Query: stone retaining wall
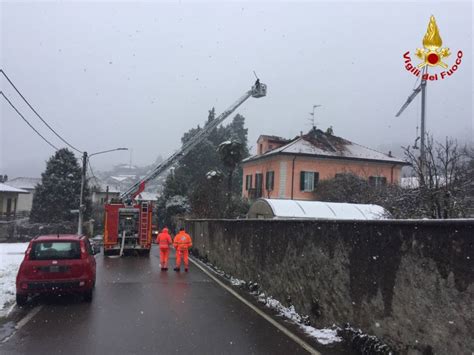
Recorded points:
(408,282)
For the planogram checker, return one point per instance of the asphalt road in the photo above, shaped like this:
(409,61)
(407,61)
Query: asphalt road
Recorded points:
(137,309)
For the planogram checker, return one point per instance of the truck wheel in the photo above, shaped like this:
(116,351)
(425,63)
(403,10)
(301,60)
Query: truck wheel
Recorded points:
(145,253)
(21,300)
(110,252)
(88,296)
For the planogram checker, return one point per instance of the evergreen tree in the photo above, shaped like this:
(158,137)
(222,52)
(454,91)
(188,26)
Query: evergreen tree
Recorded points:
(231,153)
(190,179)
(59,190)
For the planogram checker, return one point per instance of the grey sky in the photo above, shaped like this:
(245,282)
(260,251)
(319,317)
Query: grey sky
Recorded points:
(116,74)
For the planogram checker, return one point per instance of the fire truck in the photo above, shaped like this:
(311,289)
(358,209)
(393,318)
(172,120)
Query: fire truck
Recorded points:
(128,223)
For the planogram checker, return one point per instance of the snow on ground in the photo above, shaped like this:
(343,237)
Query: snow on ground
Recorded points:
(11,255)
(323,336)
(237,282)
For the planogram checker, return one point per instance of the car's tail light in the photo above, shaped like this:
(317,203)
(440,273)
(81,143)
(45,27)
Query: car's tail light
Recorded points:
(83,252)
(24,285)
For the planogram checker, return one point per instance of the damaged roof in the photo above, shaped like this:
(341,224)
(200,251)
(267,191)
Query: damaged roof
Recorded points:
(317,143)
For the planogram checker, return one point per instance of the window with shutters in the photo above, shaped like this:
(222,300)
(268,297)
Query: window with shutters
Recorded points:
(308,180)
(377,181)
(258,184)
(248,182)
(269,180)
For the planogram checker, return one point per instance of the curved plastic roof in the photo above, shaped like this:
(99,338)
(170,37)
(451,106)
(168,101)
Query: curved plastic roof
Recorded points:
(325,210)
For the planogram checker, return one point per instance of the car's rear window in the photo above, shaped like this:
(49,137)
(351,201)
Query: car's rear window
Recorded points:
(55,250)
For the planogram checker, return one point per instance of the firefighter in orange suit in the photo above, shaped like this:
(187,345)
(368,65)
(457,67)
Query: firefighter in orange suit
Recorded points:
(182,243)
(164,241)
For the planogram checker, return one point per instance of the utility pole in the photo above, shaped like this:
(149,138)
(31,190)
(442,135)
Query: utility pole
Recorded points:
(85,159)
(423,127)
(421,88)
(81,198)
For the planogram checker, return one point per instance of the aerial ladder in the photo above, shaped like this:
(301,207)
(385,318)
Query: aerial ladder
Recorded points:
(128,223)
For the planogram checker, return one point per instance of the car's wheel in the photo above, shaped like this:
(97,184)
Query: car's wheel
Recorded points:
(88,296)
(145,253)
(21,300)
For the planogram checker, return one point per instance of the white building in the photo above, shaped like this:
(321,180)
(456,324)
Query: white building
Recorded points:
(102,192)
(9,201)
(25,200)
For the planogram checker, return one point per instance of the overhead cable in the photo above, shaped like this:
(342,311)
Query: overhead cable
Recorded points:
(27,122)
(37,114)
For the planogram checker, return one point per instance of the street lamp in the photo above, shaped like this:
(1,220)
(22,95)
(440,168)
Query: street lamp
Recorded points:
(83,180)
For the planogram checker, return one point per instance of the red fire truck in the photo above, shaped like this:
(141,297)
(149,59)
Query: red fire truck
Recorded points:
(128,223)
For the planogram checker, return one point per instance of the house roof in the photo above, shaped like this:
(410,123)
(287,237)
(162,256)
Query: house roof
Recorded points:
(8,188)
(27,183)
(123,177)
(323,210)
(101,186)
(324,145)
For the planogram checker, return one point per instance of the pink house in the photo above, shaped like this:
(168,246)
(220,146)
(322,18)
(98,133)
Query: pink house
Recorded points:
(291,169)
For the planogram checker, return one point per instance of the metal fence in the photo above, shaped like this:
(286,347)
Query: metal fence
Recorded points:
(4,216)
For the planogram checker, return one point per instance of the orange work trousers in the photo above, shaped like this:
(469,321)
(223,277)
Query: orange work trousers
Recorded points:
(164,255)
(182,254)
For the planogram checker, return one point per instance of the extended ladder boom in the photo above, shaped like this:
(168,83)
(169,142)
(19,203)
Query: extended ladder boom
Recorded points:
(258,90)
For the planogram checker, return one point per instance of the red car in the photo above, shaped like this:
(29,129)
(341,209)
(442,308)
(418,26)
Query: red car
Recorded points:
(57,264)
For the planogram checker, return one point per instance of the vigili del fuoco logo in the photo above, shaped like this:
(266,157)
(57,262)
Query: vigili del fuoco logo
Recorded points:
(432,55)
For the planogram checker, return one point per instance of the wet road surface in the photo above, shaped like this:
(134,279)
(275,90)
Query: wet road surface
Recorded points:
(137,309)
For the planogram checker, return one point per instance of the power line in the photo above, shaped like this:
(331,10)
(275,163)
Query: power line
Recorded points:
(37,114)
(28,123)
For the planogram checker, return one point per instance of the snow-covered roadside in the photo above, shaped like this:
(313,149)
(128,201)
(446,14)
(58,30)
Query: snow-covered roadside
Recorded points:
(323,336)
(11,255)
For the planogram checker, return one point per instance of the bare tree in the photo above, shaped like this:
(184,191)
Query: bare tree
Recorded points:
(445,186)
(443,179)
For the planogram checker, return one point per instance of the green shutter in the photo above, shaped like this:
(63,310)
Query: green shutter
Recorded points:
(316,178)
(302,174)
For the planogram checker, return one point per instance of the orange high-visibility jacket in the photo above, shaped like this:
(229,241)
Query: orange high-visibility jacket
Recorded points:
(182,241)
(164,239)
